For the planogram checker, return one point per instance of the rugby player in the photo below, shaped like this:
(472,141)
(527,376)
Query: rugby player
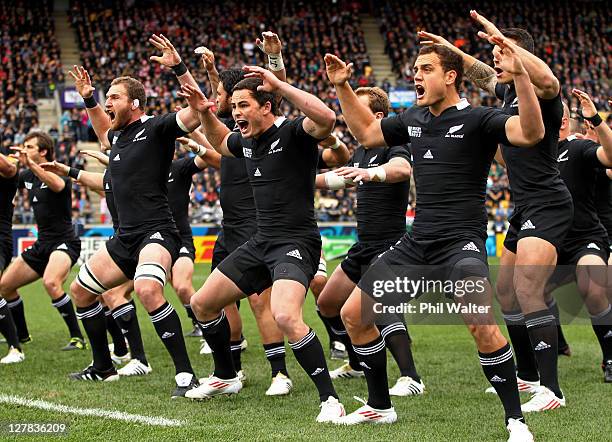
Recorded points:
(8,188)
(382,177)
(147,242)
(452,146)
(57,248)
(280,157)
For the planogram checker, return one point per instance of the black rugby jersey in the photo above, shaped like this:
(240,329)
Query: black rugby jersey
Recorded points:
(236,194)
(179,184)
(139,164)
(532,171)
(381,207)
(603,200)
(52,210)
(451,157)
(110,199)
(8,188)
(281,165)
(578,165)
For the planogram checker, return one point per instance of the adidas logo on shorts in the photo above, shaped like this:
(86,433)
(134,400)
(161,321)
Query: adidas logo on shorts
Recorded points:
(541,346)
(157,235)
(62,246)
(167,335)
(295,253)
(592,245)
(471,246)
(497,379)
(527,225)
(608,335)
(183,250)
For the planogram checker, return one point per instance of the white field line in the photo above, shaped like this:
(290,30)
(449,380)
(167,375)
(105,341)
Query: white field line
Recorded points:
(95,412)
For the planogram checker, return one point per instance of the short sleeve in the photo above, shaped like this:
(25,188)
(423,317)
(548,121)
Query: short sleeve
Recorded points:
(169,126)
(299,131)
(493,124)
(589,154)
(188,167)
(234,145)
(395,130)
(398,152)
(21,179)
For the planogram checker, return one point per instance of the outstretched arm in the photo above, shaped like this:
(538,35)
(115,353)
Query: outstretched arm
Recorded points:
(481,74)
(603,131)
(93,180)
(100,121)
(395,171)
(320,119)
(527,128)
(54,182)
(8,169)
(541,76)
(362,123)
(101,157)
(204,156)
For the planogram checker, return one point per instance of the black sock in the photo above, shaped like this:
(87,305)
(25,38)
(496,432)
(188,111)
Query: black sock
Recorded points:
(236,350)
(339,330)
(189,312)
(275,353)
(527,368)
(373,357)
(330,331)
(554,309)
(18,313)
(94,324)
(543,336)
(309,354)
(217,334)
(602,326)
(119,346)
(397,341)
(500,370)
(168,327)
(125,316)
(64,306)
(7,326)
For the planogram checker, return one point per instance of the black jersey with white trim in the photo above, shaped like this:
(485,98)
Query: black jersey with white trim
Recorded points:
(281,164)
(139,164)
(381,207)
(603,200)
(110,199)
(236,194)
(180,179)
(451,157)
(532,171)
(8,188)
(52,210)
(578,166)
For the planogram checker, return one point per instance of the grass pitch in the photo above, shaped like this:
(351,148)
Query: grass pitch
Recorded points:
(454,407)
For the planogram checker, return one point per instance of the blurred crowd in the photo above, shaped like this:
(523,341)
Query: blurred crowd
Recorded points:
(113,41)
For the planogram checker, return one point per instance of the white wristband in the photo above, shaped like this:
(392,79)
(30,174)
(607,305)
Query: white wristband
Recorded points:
(377,172)
(275,62)
(201,152)
(335,182)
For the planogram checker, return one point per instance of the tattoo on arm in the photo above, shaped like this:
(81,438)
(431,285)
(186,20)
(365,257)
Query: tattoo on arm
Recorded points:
(483,76)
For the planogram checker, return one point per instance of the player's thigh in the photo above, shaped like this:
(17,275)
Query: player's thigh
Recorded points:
(101,268)
(504,286)
(18,274)
(217,292)
(535,261)
(591,279)
(336,292)
(58,267)
(287,299)
(182,272)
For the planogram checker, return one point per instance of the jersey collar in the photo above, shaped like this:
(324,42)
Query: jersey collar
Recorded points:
(270,131)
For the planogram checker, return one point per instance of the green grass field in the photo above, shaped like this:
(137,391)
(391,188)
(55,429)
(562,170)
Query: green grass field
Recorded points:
(454,407)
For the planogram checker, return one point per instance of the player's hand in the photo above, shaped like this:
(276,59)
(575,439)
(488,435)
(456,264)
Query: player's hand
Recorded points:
(489,27)
(428,39)
(56,168)
(189,144)
(82,81)
(510,60)
(207,57)
(96,154)
(170,57)
(354,173)
(270,82)
(271,44)
(21,154)
(588,108)
(338,71)
(195,98)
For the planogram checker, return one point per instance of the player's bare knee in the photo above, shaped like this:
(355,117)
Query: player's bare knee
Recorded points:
(351,318)
(317,285)
(52,285)
(287,322)
(327,305)
(184,292)
(150,294)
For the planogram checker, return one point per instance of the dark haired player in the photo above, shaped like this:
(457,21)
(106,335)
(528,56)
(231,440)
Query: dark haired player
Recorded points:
(382,177)
(8,188)
(57,248)
(541,219)
(452,146)
(281,157)
(147,243)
